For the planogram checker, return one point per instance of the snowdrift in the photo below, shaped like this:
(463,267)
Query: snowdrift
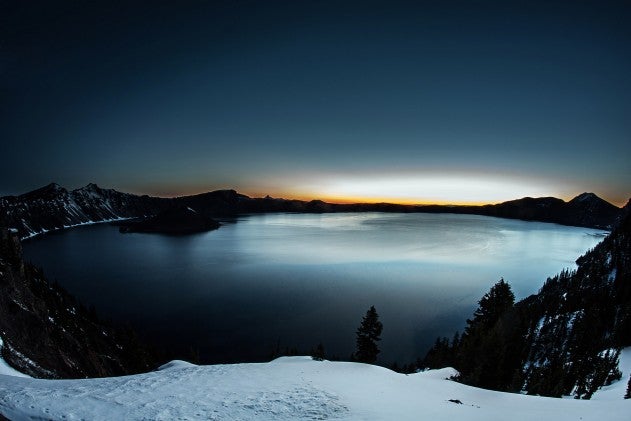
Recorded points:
(289,388)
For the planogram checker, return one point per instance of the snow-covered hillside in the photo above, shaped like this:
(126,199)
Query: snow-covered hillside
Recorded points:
(289,388)
(6,369)
(53,208)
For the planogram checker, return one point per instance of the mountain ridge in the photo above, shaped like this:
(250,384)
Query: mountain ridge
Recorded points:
(52,207)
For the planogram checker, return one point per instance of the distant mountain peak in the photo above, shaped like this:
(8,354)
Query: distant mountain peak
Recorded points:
(586,196)
(590,199)
(90,187)
(51,187)
(46,192)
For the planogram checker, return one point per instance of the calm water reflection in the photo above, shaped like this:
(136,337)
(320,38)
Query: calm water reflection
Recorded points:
(300,279)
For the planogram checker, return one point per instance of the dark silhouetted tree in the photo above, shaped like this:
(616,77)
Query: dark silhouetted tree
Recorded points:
(483,344)
(493,304)
(439,356)
(566,339)
(628,394)
(368,334)
(318,353)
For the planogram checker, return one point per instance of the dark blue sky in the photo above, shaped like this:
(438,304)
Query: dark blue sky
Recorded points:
(406,101)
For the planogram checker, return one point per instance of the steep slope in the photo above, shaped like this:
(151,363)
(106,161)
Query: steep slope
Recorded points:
(101,204)
(46,333)
(53,207)
(290,388)
(565,340)
(587,209)
(583,319)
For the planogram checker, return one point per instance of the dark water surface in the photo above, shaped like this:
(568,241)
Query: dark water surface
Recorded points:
(300,279)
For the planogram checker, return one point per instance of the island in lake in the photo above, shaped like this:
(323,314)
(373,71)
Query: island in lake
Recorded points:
(179,220)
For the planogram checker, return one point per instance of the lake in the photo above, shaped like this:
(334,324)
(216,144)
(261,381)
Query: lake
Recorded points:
(295,280)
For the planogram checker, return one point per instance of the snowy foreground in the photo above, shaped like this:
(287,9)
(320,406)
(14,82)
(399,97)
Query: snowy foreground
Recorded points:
(286,389)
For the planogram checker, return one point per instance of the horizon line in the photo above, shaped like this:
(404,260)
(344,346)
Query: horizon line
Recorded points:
(335,200)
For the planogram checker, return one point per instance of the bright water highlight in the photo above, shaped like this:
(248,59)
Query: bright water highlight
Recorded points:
(295,280)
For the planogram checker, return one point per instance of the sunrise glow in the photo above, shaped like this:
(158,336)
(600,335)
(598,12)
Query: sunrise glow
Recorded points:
(408,188)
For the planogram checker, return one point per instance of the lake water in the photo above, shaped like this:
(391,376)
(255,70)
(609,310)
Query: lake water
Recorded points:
(299,279)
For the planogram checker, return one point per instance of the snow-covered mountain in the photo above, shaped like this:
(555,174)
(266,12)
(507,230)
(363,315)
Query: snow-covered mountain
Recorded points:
(53,207)
(289,388)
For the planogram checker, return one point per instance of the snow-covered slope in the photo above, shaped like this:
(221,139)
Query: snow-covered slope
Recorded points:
(46,333)
(6,369)
(53,207)
(288,388)
(619,388)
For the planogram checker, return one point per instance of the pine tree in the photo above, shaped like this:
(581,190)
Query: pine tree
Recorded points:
(478,357)
(493,304)
(318,354)
(439,356)
(368,334)
(628,394)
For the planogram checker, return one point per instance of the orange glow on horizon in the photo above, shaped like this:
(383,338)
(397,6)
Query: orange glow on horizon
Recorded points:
(404,189)
(349,200)
(412,188)
(346,200)
(398,201)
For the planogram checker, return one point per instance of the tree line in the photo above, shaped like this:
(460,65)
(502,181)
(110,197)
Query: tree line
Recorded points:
(564,340)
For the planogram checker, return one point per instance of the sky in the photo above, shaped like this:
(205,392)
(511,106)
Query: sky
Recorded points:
(423,101)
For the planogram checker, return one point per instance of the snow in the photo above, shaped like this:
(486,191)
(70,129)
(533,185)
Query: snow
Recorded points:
(19,304)
(288,388)
(78,224)
(6,369)
(617,389)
